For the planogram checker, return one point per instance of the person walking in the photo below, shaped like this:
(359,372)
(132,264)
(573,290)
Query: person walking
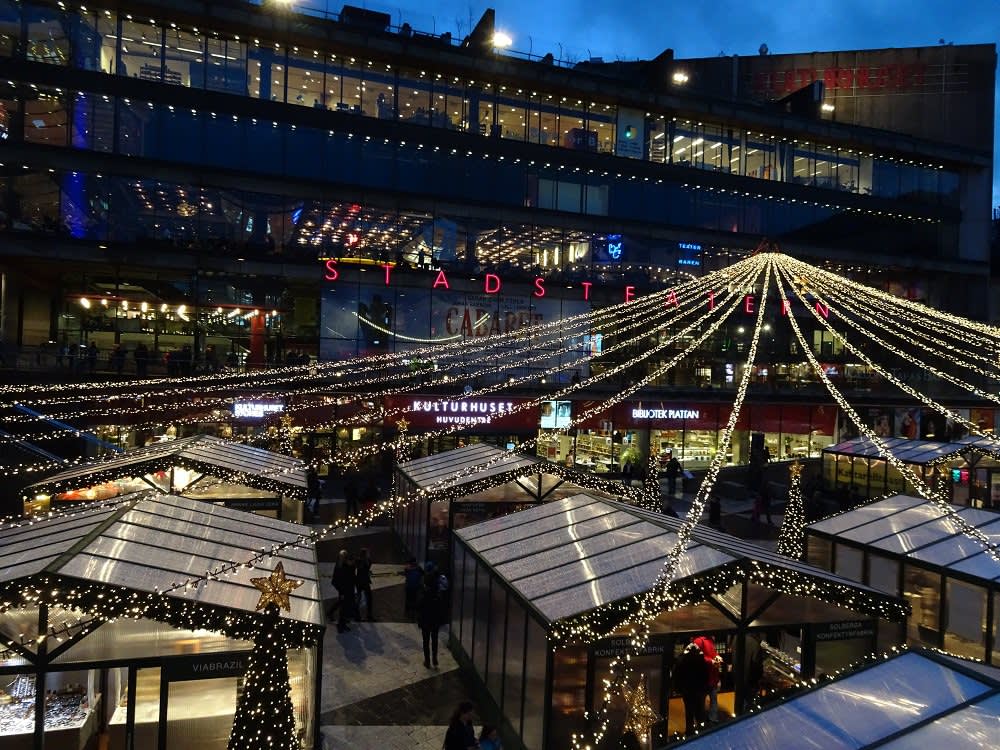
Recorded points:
(429,618)
(343,582)
(92,352)
(714,663)
(363,576)
(461,735)
(673,471)
(312,493)
(413,576)
(141,355)
(691,681)
(118,359)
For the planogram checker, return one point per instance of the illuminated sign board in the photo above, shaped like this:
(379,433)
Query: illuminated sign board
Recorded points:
(255,409)
(555,414)
(641,413)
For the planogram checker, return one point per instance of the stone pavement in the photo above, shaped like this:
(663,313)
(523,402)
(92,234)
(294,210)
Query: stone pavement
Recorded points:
(376,691)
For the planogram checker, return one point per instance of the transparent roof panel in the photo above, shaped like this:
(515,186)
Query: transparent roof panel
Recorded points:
(859,516)
(974,727)
(854,711)
(519,528)
(893,524)
(920,535)
(569,536)
(443,469)
(981,566)
(917,451)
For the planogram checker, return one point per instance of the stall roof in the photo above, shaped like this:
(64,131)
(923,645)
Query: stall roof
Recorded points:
(570,557)
(255,467)
(144,547)
(921,530)
(428,471)
(916,699)
(918,451)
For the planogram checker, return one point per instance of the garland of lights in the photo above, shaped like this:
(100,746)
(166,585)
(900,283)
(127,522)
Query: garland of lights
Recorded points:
(909,475)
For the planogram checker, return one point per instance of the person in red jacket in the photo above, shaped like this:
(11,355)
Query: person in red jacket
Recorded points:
(714,662)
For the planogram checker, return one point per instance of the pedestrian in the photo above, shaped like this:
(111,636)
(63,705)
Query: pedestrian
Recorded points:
(343,582)
(489,738)
(715,512)
(429,618)
(141,355)
(118,359)
(461,735)
(92,352)
(363,575)
(351,498)
(312,493)
(756,510)
(413,576)
(765,503)
(691,681)
(714,663)
(673,471)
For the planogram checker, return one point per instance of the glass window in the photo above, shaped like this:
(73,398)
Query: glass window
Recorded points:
(45,118)
(226,66)
(353,86)
(480,649)
(93,122)
(468,594)
(818,552)
(498,616)
(601,120)
(996,629)
(141,51)
(10,27)
(922,589)
(107,35)
(965,634)
(305,78)
(883,574)
(414,97)
(657,145)
(47,41)
(513,684)
(536,660)
(334,82)
(511,114)
(760,159)
(184,57)
(449,101)
(849,562)
(544,121)
(573,126)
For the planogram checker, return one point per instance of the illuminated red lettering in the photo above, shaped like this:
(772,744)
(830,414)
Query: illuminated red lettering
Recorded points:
(388,270)
(895,77)
(785,306)
(830,78)
(491,285)
(671,300)
(823,310)
(711,300)
(449,323)
(629,293)
(862,77)
(845,78)
(586,289)
(748,303)
(539,287)
(332,274)
(441,280)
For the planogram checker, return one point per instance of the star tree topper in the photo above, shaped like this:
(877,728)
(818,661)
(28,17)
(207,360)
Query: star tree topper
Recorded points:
(275,589)
(639,715)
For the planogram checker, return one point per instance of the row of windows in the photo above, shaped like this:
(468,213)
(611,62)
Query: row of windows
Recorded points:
(127,209)
(165,53)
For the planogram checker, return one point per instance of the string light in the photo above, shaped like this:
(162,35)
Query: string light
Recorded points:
(791,537)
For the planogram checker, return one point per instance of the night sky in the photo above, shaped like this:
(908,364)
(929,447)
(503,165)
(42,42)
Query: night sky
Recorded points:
(634,29)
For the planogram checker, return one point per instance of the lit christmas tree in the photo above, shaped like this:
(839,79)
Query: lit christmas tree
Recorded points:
(793,529)
(264,718)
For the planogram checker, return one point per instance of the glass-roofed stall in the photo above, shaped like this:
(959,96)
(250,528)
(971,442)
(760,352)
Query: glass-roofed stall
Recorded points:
(460,487)
(106,641)
(541,599)
(201,467)
(916,699)
(911,547)
(968,466)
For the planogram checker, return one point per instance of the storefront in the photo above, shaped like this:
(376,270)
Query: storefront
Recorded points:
(201,467)
(969,467)
(689,430)
(582,563)
(461,487)
(99,619)
(916,699)
(908,547)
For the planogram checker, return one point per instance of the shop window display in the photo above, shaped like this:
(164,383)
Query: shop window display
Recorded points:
(965,633)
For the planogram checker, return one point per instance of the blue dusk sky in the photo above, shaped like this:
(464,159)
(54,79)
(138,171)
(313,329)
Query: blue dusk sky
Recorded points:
(641,30)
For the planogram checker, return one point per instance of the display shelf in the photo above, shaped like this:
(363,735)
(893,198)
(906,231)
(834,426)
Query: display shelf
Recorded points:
(70,723)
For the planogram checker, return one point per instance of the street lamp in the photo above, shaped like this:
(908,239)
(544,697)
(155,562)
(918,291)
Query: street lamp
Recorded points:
(501,40)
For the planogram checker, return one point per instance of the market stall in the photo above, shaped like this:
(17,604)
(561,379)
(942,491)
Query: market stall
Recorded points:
(916,699)
(542,600)
(102,617)
(909,547)
(969,466)
(200,467)
(466,485)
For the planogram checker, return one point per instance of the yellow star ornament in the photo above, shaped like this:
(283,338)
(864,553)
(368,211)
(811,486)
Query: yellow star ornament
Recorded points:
(639,715)
(275,589)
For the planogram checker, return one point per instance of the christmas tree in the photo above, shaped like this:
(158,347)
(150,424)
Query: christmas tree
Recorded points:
(791,538)
(264,719)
